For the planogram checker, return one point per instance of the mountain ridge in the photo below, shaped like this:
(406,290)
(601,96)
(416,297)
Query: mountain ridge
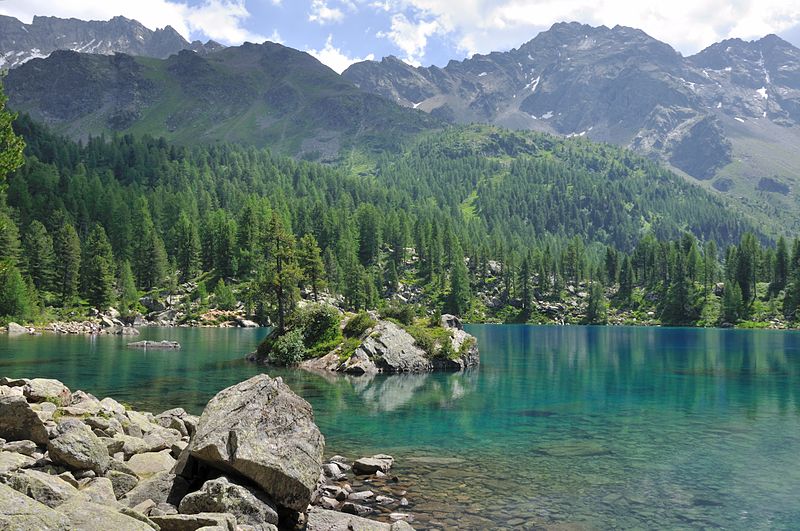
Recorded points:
(20,42)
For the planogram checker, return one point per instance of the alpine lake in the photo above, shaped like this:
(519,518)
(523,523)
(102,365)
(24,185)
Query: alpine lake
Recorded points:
(559,428)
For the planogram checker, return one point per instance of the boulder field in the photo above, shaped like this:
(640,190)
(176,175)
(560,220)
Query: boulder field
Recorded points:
(253,460)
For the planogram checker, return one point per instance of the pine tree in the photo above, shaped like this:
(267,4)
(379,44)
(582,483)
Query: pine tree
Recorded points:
(596,306)
(15,299)
(710,267)
(39,256)
(10,248)
(126,289)
(11,145)
(309,258)
(780,271)
(224,297)
(97,271)
(283,274)
(525,287)
(392,278)
(149,256)
(611,265)
(677,307)
(459,298)
(732,303)
(67,247)
(187,247)
(625,282)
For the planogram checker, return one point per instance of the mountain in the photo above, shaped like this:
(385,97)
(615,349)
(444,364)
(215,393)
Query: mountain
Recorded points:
(728,116)
(257,94)
(20,42)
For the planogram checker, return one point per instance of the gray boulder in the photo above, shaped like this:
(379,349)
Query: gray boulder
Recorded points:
(359,363)
(42,389)
(393,350)
(372,465)
(151,463)
(193,522)
(18,422)
(263,431)
(21,513)
(10,461)
(164,487)
(98,490)
(326,520)
(249,506)
(121,482)
(21,447)
(15,329)
(77,447)
(88,516)
(44,488)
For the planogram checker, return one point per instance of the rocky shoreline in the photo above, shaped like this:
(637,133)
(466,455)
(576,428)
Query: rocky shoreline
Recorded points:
(252,461)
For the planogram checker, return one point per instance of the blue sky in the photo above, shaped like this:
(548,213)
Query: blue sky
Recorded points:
(428,32)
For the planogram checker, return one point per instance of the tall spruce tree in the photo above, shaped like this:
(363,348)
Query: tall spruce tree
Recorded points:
(283,274)
(309,258)
(39,256)
(67,247)
(458,300)
(11,145)
(187,247)
(97,269)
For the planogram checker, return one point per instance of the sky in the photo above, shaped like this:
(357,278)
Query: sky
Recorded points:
(425,32)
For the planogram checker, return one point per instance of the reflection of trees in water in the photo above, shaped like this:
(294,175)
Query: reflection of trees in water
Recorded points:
(687,368)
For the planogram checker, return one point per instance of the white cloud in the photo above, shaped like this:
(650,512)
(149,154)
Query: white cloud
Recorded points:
(688,25)
(221,20)
(335,58)
(411,37)
(322,13)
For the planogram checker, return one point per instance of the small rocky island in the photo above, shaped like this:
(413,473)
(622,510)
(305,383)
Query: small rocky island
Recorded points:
(252,461)
(320,337)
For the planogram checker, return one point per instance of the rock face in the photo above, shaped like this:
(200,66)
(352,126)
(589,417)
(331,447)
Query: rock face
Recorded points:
(261,430)
(394,350)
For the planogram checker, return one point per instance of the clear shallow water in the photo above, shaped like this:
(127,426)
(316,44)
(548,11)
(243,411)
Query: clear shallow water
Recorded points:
(560,427)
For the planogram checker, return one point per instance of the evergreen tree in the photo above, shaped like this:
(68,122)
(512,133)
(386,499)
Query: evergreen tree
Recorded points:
(746,263)
(611,265)
(98,269)
(625,281)
(309,258)
(459,298)
(780,272)
(14,295)
(126,288)
(710,267)
(283,274)
(596,306)
(732,303)
(39,256)
(67,247)
(224,297)
(525,288)
(10,248)
(187,247)
(149,256)
(392,278)
(677,308)
(11,145)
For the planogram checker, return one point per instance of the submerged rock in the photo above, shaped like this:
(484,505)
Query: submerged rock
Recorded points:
(261,430)
(159,345)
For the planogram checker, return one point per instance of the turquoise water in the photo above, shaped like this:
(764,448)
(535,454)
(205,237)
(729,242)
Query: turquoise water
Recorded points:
(560,427)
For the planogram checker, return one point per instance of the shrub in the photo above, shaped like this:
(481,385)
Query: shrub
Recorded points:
(405,313)
(318,323)
(359,324)
(288,349)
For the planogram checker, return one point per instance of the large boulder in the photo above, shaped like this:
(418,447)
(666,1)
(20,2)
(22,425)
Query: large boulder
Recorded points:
(19,422)
(11,461)
(21,513)
(121,482)
(249,506)
(393,350)
(77,447)
(261,430)
(46,389)
(44,488)
(15,329)
(88,516)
